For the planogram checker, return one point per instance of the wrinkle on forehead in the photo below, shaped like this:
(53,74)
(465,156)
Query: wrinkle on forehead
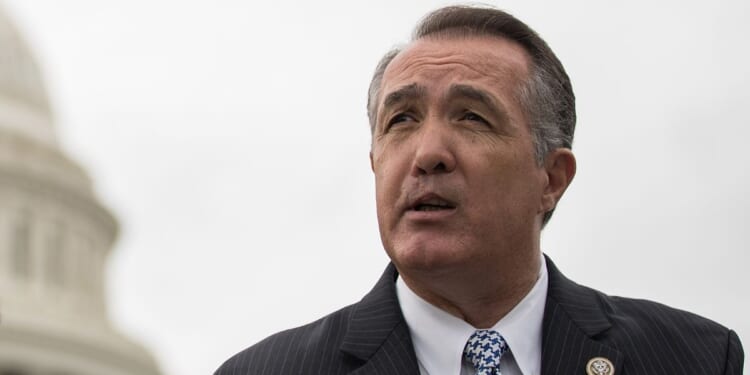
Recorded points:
(497,63)
(480,56)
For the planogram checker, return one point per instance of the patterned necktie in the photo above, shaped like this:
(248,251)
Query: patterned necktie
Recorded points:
(484,349)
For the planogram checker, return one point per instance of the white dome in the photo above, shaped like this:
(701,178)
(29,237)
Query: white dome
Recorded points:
(56,238)
(24,106)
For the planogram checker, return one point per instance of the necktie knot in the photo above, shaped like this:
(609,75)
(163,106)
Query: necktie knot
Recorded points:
(484,350)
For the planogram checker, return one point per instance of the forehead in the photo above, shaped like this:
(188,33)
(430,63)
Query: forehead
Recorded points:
(494,61)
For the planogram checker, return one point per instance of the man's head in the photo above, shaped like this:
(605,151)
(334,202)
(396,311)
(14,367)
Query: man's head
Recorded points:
(546,95)
(472,123)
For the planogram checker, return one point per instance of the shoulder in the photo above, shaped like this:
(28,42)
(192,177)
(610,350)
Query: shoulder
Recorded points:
(645,329)
(312,348)
(653,337)
(336,344)
(629,319)
(655,320)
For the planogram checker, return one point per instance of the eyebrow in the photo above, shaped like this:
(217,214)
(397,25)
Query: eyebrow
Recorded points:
(459,91)
(407,93)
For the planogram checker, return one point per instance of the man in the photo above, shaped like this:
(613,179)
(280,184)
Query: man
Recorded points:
(472,125)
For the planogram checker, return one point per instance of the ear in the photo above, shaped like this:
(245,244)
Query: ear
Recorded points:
(372,164)
(560,166)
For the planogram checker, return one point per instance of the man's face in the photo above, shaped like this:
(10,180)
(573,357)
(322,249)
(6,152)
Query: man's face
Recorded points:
(457,182)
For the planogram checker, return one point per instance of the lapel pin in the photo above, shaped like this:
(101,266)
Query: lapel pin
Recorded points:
(600,366)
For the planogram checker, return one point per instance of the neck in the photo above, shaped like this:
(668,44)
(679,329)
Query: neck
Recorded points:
(472,295)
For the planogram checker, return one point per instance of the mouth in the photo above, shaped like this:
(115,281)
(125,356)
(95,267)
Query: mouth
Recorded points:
(432,202)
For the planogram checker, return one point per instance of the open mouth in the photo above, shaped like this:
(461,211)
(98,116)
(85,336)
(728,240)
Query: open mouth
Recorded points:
(432,203)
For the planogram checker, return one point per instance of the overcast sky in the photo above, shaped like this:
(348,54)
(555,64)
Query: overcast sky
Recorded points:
(230,138)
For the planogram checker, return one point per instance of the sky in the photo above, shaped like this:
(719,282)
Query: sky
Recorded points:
(230,138)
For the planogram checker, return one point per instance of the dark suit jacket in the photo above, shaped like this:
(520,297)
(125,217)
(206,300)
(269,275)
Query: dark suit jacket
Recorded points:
(639,337)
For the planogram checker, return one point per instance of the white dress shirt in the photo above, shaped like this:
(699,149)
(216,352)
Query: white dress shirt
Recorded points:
(439,337)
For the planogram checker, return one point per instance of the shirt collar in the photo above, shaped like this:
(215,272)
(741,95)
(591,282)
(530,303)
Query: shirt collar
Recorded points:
(439,337)
(522,327)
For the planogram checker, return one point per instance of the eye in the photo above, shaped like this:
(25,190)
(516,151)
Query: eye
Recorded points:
(400,118)
(473,117)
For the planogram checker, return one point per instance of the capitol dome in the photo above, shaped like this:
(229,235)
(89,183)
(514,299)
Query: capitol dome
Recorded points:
(55,238)
(24,106)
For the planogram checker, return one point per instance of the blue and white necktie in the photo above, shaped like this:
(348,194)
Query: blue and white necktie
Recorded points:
(484,350)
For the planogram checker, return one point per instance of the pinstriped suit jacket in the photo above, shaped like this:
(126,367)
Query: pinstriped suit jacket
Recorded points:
(639,337)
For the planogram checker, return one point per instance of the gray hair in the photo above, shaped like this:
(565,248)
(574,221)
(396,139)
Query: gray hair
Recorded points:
(546,97)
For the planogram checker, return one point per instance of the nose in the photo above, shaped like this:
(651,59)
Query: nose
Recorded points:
(434,153)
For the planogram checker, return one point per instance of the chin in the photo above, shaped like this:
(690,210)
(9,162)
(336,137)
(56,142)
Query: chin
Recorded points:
(427,256)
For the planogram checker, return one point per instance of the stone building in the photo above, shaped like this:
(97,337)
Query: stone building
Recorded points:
(55,237)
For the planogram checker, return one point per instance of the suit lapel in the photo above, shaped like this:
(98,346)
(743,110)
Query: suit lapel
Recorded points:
(573,317)
(377,333)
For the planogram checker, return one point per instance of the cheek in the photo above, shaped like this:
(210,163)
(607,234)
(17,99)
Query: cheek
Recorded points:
(389,170)
(512,180)
(387,185)
(387,198)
